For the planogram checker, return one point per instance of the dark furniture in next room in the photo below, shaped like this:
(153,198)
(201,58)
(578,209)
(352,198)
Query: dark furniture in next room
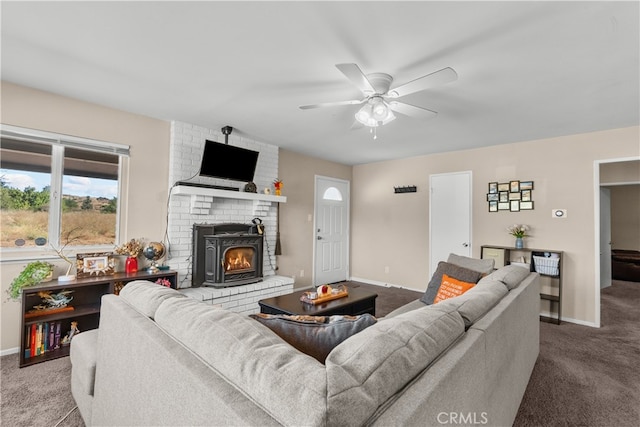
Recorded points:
(625,265)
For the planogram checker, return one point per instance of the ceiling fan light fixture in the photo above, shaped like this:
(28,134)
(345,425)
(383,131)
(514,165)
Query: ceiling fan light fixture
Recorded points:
(365,114)
(380,109)
(375,113)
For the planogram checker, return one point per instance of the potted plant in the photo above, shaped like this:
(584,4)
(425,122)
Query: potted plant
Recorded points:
(519,231)
(132,249)
(33,274)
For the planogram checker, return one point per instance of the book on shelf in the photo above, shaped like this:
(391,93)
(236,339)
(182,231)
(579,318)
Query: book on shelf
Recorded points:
(52,335)
(45,338)
(41,338)
(27,342)
(39,346)
(56,343)
(32,339)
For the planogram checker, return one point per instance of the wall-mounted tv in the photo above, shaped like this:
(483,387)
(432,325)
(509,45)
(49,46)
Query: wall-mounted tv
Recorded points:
(228,162)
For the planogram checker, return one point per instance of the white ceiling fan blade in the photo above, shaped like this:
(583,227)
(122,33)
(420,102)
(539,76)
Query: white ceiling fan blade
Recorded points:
(356,125)
(412,110)
(437,78)
(331,104)
(357,77)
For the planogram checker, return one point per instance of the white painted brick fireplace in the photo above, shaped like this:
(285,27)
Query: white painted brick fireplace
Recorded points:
(193,205)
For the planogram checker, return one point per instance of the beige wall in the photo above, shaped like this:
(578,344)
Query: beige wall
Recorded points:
(296,227)
(623,180)
(563,172)
(620,172)
(625,217)
(148,176)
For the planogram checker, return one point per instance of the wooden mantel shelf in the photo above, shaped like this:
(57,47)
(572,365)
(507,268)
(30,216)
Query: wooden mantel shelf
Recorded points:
(184,190)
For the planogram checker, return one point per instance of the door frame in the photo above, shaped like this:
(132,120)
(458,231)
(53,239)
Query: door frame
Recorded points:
(605,247)
(596,212)
(347,251)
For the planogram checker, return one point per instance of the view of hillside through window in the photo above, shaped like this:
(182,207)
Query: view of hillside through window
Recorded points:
(88,206)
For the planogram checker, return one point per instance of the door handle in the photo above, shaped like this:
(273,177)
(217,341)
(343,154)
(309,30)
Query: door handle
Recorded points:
(466,245)
(319,237)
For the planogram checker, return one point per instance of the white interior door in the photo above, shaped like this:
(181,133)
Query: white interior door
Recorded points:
(449,216)
(605,237)
(331,231)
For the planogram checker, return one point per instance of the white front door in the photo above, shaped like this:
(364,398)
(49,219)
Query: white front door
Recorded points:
(605,237)
(331,231)
(449,216)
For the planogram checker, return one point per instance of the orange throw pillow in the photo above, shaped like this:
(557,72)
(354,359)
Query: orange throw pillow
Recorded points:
(450,287)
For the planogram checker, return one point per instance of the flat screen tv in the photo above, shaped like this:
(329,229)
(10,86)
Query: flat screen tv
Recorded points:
(228,162)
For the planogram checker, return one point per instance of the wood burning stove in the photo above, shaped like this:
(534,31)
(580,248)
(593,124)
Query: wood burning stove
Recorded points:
(226,255)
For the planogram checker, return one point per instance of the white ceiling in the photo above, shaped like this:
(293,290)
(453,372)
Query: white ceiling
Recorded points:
(526,70)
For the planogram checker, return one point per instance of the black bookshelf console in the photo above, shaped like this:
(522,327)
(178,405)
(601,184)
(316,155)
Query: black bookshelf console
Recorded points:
(84,309)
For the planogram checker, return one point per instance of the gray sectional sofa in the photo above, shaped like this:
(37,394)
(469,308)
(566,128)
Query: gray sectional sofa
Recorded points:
(160,358)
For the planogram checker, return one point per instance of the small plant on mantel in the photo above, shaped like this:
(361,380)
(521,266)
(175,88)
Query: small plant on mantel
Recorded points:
(277,184)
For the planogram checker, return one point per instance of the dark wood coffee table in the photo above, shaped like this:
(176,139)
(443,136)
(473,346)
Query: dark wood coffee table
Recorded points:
(357,302)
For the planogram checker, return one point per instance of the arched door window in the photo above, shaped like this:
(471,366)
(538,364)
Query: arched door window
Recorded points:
(332,193)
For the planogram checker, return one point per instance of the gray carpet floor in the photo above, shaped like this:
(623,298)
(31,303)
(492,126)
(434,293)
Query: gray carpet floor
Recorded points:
(586,376)
(583,377)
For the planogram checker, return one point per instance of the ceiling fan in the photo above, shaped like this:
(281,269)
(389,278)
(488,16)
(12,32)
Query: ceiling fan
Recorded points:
(380,101)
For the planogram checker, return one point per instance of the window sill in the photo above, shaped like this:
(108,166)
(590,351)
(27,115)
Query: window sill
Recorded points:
(15,255)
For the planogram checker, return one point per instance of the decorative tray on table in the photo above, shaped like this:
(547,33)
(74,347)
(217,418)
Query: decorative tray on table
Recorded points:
(324,293)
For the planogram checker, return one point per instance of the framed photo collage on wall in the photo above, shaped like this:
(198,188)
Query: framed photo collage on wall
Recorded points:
(512,196)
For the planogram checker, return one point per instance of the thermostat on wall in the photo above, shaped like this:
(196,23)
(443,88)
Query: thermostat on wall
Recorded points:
(559,213)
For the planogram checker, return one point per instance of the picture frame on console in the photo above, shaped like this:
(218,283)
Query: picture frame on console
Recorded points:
(94,264)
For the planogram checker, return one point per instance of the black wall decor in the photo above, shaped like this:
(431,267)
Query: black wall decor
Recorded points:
(405,189)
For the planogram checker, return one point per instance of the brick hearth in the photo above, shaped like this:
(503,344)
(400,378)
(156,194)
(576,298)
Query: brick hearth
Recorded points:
(242,299)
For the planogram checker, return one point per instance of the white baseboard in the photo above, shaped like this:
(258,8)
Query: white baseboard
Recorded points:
(9,351)
(569,319)
(383,284)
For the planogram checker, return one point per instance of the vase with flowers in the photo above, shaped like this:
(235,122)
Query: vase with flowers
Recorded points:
(132,250)
(277,184)
(519,231)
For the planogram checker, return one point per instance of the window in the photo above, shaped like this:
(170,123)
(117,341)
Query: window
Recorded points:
(332,193)
(56,189)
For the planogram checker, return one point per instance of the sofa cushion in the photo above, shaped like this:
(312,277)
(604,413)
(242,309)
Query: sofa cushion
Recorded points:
(477,301)
(367,369)
(413,305)
(450,288)
(510,275)
(147,296)
(250,357)
(484,266)
(451,270)
(315,335)
(83,356)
